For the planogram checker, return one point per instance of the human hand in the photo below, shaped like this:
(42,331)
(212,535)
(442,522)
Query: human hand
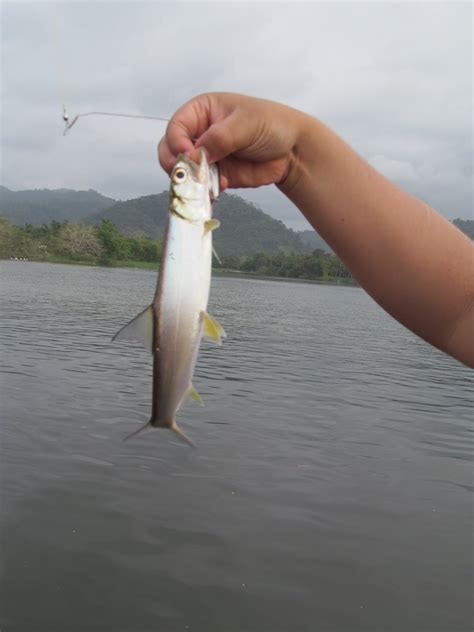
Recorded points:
(253,139)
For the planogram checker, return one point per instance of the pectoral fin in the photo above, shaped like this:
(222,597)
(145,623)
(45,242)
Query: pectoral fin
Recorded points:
(139,329)
(211,224)
(212,329)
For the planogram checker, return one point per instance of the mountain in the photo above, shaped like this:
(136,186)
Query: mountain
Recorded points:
(245,229)
(40,206)
(145,214)
(313,241)
(466,225)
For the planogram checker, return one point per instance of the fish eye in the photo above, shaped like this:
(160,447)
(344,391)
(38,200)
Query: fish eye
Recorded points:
(179,175)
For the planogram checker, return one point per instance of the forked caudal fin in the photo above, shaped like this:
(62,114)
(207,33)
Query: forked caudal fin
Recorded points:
(136,432)
(174,427)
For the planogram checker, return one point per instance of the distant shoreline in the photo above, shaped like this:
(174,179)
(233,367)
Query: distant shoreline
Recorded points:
(223,272)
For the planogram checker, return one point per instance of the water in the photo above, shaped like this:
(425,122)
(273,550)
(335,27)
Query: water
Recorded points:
(331,489)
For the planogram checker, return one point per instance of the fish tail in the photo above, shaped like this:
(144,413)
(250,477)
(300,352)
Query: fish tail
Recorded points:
(176,429)
(135,432)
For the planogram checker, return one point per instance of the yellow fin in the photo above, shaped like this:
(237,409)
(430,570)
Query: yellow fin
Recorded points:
(212,329)
(192,392)
(211,224)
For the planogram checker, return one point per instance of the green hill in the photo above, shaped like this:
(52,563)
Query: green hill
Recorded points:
(245,229)
(40,206)
(145,214)
(466,225)
(313,241)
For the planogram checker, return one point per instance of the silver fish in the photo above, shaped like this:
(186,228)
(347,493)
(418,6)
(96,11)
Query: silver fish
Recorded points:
(171,328)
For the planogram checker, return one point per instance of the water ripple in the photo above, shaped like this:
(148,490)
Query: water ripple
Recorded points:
(333,468)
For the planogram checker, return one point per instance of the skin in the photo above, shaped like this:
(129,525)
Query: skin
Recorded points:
(412,261)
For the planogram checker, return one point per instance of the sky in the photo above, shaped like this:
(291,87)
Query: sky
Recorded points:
(393,79)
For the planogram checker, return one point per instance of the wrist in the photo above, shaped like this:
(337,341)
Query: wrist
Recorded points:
(303,155)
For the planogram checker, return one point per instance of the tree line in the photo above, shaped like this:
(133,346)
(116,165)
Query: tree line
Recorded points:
(316,265)
(106,245)
(101,244)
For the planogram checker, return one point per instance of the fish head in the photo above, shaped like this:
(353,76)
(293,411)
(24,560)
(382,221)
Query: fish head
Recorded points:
(194,186)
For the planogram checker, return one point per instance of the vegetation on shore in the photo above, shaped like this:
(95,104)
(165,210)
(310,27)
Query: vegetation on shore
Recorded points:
(317,266)
(79,243)
(245,228)
(67,242)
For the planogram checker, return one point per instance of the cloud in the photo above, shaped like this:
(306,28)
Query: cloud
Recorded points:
(399,170)
(394,79)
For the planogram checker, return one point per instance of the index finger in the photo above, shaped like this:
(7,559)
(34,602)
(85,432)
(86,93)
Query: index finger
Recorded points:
(187,124)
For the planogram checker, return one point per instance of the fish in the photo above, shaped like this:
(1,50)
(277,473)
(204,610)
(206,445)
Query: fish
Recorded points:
(172,327)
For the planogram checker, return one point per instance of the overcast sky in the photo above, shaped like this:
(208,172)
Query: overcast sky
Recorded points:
(394,79)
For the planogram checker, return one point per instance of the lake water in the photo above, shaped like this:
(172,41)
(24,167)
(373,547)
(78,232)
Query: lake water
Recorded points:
(331,489)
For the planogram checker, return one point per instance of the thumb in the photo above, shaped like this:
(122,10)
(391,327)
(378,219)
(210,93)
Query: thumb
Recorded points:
(225,137)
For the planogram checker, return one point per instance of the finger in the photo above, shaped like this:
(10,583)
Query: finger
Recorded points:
(166,158)
(179,138)
(225,137)
(223,181)
(187,124)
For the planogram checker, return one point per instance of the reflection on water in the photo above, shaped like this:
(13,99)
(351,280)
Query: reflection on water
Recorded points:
(331,488)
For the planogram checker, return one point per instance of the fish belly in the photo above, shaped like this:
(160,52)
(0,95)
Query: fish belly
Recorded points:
(182,297)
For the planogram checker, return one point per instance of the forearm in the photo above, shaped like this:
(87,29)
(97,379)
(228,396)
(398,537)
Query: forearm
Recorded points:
(413,262)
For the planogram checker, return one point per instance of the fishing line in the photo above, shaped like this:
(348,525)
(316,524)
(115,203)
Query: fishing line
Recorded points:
(69,123)
(62,63)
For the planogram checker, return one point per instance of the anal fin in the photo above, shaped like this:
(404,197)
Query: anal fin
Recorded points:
(193,394)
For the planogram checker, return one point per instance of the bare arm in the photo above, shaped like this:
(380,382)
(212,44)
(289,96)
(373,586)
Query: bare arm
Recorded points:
(412,261)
